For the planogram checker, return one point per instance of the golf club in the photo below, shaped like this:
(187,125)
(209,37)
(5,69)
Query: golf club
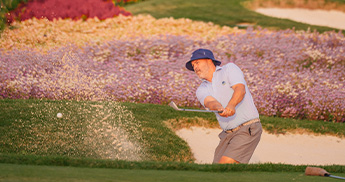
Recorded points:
(315,171)
(173,105)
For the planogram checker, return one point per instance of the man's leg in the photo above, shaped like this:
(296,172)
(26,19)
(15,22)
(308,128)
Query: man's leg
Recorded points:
(219,158)
(243,143)
(227,160)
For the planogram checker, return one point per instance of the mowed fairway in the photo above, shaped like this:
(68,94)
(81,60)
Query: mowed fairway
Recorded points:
(14,172)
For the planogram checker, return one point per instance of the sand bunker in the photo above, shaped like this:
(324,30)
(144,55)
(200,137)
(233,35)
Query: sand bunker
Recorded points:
(294,149)
(332,18)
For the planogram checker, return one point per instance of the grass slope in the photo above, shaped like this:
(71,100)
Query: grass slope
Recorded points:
(222,12)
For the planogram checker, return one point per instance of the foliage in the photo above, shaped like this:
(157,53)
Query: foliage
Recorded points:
(5,7)
(55,9)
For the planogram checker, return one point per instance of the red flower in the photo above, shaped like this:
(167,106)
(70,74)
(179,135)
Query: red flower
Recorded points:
(75,9)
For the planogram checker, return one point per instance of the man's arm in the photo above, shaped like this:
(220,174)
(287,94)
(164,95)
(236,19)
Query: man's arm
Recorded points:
(212,104)
(238,95)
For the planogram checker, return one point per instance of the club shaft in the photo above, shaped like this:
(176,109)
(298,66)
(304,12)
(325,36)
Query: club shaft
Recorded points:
(173,105)
(196,110)
(338,177)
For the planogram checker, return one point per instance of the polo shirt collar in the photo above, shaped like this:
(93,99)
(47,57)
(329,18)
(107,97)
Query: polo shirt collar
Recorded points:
(217,69)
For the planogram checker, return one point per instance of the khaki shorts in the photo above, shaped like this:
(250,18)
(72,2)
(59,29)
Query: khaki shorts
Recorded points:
(239,145)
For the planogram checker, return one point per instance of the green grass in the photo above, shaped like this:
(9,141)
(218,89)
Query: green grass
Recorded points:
(48,168)
(157,165)
(13,172)
(222,12)
(278,125)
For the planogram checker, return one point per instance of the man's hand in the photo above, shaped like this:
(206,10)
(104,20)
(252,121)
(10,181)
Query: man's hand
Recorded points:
(228,111)
(239,92)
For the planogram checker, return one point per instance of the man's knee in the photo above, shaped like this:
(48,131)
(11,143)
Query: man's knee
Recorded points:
(227,160)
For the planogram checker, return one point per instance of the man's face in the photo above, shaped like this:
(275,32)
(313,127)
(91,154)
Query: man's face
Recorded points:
(201,67)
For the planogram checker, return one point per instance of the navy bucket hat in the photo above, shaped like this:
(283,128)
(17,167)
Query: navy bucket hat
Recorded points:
(201,54)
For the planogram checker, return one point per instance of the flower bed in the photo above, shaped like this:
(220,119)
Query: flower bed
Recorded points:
(43,35)
(298,75)
(76,9)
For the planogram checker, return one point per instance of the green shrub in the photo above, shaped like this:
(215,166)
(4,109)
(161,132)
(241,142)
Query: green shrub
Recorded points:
(6,6)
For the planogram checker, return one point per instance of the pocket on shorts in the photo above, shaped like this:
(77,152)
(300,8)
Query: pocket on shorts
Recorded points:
(255,129)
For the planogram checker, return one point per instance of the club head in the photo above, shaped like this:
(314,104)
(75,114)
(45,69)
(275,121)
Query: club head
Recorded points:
(173,105)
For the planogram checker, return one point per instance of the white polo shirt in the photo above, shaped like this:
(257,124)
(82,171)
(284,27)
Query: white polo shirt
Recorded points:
(221,89)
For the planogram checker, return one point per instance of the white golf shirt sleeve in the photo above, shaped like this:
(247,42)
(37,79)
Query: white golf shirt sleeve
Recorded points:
(202,92)
(234,74)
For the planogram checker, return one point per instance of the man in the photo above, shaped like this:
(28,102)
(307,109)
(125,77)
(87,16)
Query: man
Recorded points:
(225,89)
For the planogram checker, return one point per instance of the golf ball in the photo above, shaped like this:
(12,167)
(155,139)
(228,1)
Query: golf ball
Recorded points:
(59,115)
